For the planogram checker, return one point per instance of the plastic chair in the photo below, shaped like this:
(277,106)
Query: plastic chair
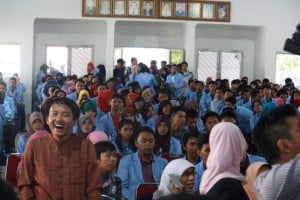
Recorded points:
(170,157)
(145,189)
(11,169)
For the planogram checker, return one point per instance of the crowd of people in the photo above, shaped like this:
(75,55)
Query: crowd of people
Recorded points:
(92,135)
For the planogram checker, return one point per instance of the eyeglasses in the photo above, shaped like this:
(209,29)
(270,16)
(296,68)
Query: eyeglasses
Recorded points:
(188,174)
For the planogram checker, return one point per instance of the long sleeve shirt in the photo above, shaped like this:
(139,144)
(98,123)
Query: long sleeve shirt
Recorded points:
(176,82)
(9,108)
(59,170)
(281,182)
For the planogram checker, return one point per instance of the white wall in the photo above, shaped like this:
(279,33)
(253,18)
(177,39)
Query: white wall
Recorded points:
(149,34)
(276,18)
(68,32)
(226,38)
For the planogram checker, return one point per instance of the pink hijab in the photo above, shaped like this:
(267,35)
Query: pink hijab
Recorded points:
(227,148)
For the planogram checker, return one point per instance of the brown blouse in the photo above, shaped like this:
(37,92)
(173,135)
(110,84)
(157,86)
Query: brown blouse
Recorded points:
(59,170)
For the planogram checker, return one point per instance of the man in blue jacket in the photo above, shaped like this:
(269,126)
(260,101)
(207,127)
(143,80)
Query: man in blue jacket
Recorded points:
(206,99)
(175,81)
(142,166)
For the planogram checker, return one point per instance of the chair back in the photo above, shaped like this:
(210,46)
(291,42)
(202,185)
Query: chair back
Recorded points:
(11,169)
(145,189)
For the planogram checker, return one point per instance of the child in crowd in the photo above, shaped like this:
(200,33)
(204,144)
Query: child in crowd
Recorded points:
(107,161)
(125,139)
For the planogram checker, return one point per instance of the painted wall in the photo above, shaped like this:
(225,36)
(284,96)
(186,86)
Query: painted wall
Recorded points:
(276,20)
(66,33)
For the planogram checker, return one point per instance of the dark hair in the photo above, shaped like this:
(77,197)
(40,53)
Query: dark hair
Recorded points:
(228,112)
(119,137)
(184,63)
(192,113)
(203,139)
(188,135)
(102,147)
(235,81)
(282,91)
(209,114)
(13,79)
(212,83)
(245,90)
(143,129)
(61,101)
(254,93)
(176,109)
(7,191)
(256,101)
(231,100)
(144,111)
(3,83)
(191,81)
(121,61)
(79,80)
(270,128)
(117,96)
(59,91)
(162,105)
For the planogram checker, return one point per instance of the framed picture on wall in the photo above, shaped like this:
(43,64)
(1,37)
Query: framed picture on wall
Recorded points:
(223,11)
(180,9)
(89,7)
(208,10)
(119,8)
(194,10)
(148,8)
(134,7)
(105,7)
(166,8)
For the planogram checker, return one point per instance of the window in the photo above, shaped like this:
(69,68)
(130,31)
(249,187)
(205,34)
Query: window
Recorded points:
(219,64)
(69,59)
(287,65)
(10,59)
(175,56)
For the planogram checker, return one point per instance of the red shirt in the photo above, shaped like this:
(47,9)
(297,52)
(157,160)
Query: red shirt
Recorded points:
(147,170)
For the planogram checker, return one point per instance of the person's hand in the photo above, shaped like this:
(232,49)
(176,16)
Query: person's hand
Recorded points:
(175,189)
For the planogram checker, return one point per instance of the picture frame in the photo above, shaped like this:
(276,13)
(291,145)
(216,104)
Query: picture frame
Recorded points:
(119,8)
(89,7)
(133,8)
(223,11)
(105,7)
(180,9)
(208,11)
(166,8)
(194,10)
(148,8)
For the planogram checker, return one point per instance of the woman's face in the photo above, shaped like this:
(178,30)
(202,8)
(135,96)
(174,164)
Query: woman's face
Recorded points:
(87,126)
(188,179)
(257,107)
(37,125)
(162,128)
(166,110)
(147,97)
(126,131)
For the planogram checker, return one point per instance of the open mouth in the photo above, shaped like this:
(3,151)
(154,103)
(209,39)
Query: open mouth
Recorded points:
(59,126)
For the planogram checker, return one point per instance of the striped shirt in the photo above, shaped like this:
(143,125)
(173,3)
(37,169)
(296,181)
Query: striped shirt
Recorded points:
(281,182)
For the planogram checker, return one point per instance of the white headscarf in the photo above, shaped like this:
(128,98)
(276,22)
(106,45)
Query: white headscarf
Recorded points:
(176,167)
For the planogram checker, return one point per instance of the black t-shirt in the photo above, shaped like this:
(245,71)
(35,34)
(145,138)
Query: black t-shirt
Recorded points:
(228,189)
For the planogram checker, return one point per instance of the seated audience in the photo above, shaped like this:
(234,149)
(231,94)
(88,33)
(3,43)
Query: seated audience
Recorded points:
(178,118)
(142,166)
(203,152)
(164,142)
(85,126)
(107,161)
(222,178)
(125,139)
(190,146)
(35,123)
(178,176)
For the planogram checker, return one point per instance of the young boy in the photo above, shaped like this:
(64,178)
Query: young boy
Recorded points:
(107,161)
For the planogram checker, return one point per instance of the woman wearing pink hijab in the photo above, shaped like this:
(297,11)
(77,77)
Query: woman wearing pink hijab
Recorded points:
(222,179)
